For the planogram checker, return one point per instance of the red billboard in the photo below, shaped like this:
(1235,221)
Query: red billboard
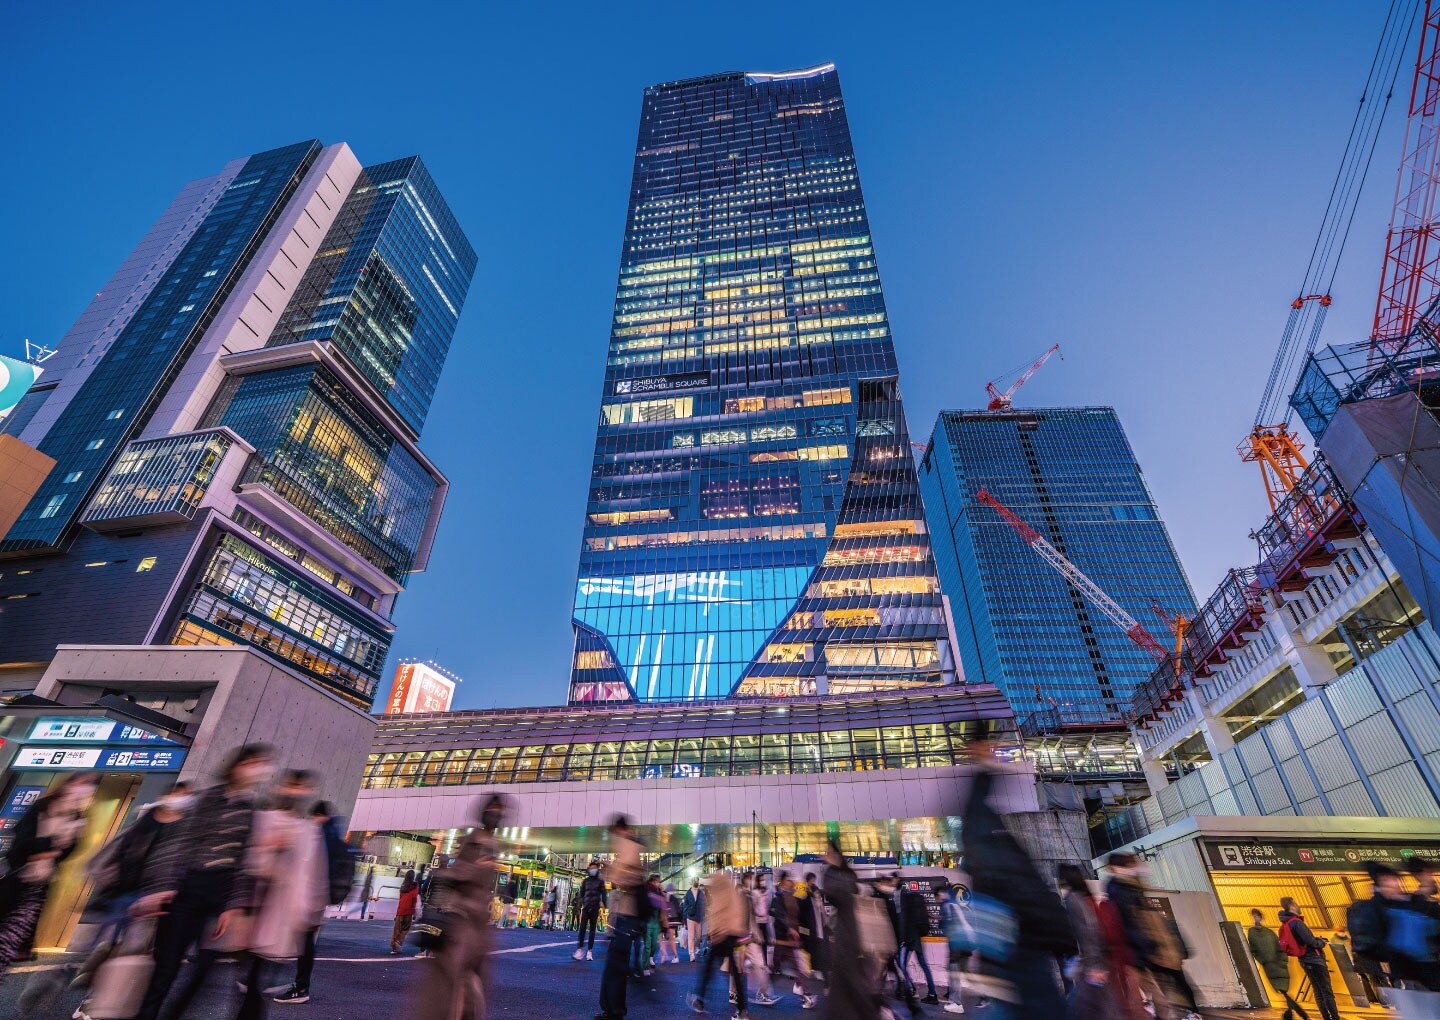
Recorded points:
(419,688)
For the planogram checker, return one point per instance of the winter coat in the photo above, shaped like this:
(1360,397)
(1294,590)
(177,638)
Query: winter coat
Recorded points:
(694,906)
(592,892)
(914,918)
(291,871)
(852,988)
(1089,936)
(725,910)
(1000,869)
(1265,947)
(1304,936)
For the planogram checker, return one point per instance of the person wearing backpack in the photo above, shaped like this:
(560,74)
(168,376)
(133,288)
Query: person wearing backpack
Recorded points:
(1297,940)
(914,926)
(1265,948)
(959,937)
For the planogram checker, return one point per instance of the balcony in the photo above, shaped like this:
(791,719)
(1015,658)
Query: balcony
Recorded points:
(160,481)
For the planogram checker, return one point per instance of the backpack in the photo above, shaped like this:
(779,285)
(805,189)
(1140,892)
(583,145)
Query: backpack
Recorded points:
(1289,943)
(341,861)
(1366,924)
(1411,934)
(957,929)
(992,930)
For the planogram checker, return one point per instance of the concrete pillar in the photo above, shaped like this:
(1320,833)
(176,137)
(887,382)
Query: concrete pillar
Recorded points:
(1155,776)
(1311,663)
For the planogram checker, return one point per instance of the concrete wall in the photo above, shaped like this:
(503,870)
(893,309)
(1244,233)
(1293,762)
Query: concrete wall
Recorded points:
(243,698)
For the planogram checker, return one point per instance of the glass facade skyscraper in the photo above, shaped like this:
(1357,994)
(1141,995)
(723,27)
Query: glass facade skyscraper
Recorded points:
(1071,475)
(234,424)
(754,524)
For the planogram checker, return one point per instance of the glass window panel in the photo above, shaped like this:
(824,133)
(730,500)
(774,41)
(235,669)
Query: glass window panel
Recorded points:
(687,750)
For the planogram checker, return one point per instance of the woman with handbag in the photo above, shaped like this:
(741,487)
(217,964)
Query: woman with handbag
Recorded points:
(44,837)
(457,927)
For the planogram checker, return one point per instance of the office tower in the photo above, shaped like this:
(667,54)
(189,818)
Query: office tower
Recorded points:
(234,421)
(1070,474)
(754,523)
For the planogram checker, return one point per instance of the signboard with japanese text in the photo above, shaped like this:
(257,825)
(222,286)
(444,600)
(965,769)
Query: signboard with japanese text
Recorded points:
(91,731)
(1238,855)
(121,759)
(16,804)
(419,688)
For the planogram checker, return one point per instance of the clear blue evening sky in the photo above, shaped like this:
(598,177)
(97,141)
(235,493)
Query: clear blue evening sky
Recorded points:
(1140,181)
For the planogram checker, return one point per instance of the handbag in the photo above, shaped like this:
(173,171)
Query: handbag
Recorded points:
(991,932)
(118,986)
(872,921)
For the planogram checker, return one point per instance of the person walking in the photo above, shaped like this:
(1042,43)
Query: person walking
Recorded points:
(1310,951)
(340,877)
(1413,932)
(693,910)
(851,994)
(887,889)
(757,909)
(785,912)
(812,923)
(453,981)
(592,898)
(914,927)
(959,938)
(1090,996)
(365,890)
(404,912)
(552,904)
(673,920)
(198,883)
(45,836)
(1152,948)
(629,911)
(1027,983)
(725,919)
(1265,948)
(1365,923)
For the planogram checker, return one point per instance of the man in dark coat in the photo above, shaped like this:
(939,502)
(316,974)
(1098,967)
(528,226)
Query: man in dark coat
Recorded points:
(1313,962)
(1265,947)
(592,898)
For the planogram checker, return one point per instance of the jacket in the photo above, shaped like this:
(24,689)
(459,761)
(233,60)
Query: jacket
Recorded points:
(1304,936)
(1000,869)
(852,992)
(627,877)
(289,866)
(694,907)
(217,827)
(914,917)
(1265,947)
(725,911)
(592,892)
(1089,937)
(1127,901)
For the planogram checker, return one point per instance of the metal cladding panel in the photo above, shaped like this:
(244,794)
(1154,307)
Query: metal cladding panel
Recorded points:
(1418,715)
(1281,741)
(1271,792)
(1351,801)
(1403,792)
(1234,770)
(1333,765)
(1311,723)
(1171,804)
(1314,806)
(1377,743)
(1226,803)
(1214,779)
(1353,697)
(1193,793)
(1255,754)
(1152,813)
(1393,671)
(1424,639)
(1245,796)
(1420,654)
(1298,776)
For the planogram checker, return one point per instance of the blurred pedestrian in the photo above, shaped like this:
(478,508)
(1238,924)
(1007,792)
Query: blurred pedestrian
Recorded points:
(1026,983)
(404,912)
(199,884)
(887,889)
(44,837)
(1311,955)
(959,938)
(1265,948)
(1090,994)
(1414,930)
(727,926)
(366,888)
(452,983)
(673,921)
(851,979)
(629,907)
(812,922)
(694,907)
(651,954)
(789,955)
(914,928)
(592,898)
(754,949)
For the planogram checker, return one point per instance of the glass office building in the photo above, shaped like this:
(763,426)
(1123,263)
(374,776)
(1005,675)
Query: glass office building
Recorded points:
(754,524)
(234,423)
(1070,474)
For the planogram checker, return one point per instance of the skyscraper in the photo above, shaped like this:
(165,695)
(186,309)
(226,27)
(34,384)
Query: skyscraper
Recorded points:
(234,422)
(754,524)
(1070,474)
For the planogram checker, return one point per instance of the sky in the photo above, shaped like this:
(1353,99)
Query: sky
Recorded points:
(1141,182)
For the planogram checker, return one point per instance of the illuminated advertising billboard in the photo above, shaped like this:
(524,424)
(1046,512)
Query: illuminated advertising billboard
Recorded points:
(419,688)
(16,378)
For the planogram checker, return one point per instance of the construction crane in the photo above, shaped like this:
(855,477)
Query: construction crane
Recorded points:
(1077,577)
(1410,277)
(1179,625)
(1001,401)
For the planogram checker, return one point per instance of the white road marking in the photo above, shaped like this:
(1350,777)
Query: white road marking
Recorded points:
(335,959)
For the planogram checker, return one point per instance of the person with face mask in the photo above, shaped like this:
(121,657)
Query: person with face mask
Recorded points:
(592,898)
(291,860)
(44,837)
(198,884)
(453,982)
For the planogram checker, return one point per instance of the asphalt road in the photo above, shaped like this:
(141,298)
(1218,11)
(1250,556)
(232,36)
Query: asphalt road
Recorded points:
(355,977)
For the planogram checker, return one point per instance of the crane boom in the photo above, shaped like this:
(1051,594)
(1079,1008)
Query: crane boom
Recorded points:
(1411,274)
(1001,401)
(1077,577)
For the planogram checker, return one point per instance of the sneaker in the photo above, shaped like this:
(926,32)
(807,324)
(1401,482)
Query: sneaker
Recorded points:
(931,1000)
(809,1001)
(589,954)
(954,1007)
(740,1016)
(579,954)
(765,1000)
(294,996)
(797,989)
(695,1003)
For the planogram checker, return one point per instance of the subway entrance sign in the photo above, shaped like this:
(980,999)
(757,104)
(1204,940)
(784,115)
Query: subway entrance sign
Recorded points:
(1264,855)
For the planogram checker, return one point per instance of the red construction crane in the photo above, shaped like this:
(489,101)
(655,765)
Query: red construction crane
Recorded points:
(1410,278)
(1001,401)
(1077,577)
